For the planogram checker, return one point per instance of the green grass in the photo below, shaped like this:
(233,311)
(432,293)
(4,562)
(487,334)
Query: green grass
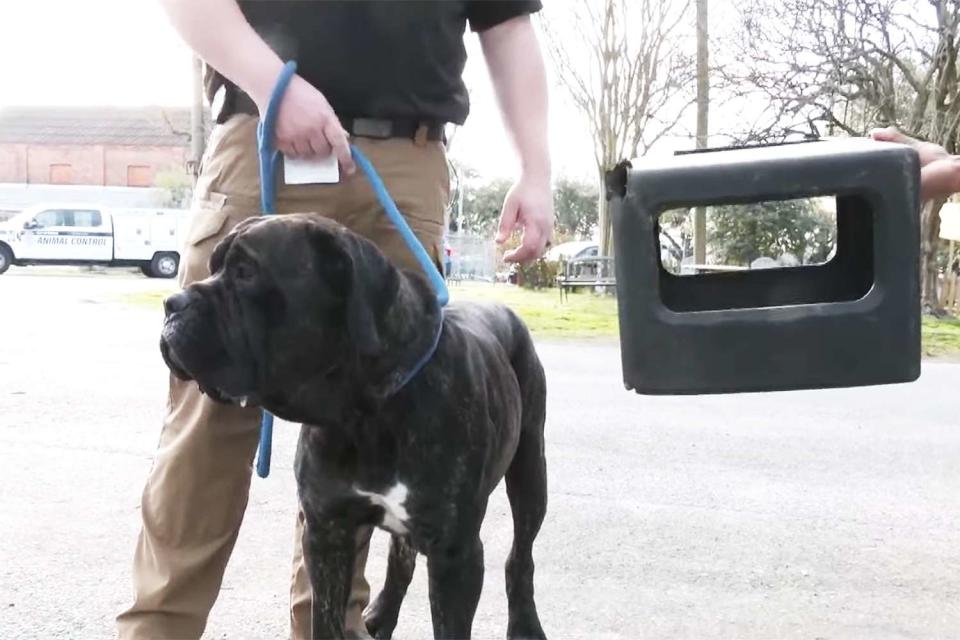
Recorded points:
(586,315)
(941,336)
(582,315)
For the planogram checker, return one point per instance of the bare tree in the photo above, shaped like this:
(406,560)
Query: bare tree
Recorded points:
(848,66)
(626,67)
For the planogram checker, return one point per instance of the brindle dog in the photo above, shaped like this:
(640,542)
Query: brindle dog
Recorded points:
(311,322)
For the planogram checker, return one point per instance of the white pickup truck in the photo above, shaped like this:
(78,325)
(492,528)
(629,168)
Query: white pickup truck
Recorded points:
(83,235)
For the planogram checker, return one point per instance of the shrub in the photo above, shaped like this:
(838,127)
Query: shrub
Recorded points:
(540,274)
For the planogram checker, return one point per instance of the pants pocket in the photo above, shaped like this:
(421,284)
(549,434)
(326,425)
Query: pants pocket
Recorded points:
(215,214)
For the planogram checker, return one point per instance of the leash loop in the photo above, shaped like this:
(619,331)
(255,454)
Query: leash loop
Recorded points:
(265,136)
(429,268)
(268,155)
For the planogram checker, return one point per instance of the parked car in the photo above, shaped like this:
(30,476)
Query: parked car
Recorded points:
(85,235)
(568,251)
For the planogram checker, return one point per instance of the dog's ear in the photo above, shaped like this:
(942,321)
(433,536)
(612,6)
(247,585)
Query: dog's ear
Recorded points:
(364,276)
(220,251)
(361,322)
(373,286)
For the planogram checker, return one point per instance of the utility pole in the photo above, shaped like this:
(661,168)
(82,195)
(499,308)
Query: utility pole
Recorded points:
(197,132)
(460,190)
(703,113)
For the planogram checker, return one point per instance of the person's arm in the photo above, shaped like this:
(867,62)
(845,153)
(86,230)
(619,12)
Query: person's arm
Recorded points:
(519,79)
(306,124)
(939,170)
(940,179)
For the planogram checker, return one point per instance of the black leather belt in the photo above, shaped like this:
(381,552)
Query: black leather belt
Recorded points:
(379,128)
(382,129)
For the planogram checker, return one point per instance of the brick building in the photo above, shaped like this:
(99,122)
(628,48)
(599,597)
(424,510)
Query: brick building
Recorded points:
(108,146)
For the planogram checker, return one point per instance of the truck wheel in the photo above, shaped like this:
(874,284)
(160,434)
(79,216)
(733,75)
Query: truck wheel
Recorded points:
(164,265)
(6,257)
(145,269)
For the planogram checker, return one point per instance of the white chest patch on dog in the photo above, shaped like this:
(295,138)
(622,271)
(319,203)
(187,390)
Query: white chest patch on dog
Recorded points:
(394,506)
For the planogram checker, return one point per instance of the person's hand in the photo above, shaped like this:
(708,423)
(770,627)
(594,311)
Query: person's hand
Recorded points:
(528,205)
(929,151)
(939,170)
(307,126)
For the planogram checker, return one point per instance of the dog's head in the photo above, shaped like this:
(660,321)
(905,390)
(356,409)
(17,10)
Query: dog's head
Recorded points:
(292,300)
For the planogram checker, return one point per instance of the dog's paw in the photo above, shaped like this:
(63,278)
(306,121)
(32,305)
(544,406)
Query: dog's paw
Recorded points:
(525,629)
(379,623)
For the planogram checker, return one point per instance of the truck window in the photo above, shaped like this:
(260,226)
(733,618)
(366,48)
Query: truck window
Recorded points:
(51,218)
(86,219)
(69,218)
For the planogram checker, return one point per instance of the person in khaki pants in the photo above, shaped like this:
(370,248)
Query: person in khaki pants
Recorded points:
(385,76)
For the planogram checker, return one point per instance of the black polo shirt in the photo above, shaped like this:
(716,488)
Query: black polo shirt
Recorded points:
(384,59)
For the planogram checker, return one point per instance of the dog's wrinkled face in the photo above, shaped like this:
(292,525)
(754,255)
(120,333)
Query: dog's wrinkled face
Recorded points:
(290,299)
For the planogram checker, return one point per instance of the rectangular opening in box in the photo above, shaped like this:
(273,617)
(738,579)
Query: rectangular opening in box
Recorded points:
(766,254)
(755,235)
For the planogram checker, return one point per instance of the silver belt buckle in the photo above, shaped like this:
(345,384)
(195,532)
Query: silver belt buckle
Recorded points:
(372,128)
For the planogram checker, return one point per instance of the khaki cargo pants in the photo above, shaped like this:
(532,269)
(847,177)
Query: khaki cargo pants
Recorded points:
(196,492)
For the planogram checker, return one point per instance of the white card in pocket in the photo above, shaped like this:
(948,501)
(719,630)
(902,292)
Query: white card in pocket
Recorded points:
(311,170)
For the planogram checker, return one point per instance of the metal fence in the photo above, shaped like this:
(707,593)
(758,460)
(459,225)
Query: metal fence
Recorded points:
(471,257)
(950,291)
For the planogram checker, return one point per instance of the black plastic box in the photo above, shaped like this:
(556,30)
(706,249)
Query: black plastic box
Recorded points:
(852,321)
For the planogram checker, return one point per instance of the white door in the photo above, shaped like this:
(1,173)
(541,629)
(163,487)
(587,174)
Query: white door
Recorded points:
(91,237)
(163,231)
(131,235)
(41,238)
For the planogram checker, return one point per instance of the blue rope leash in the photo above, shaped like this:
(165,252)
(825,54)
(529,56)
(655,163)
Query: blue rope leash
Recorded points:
(268,196)
(436,279)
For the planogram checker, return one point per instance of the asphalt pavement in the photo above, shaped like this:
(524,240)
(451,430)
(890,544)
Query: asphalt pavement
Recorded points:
(829,514)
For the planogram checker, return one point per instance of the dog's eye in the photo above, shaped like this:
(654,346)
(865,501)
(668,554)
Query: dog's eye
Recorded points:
(243,270)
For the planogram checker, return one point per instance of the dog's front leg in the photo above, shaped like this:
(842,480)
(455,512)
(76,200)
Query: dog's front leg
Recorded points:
(456,578)
(381,616)
(329,549)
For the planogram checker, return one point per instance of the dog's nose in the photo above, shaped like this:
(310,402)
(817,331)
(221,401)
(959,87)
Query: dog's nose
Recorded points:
(176,303)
